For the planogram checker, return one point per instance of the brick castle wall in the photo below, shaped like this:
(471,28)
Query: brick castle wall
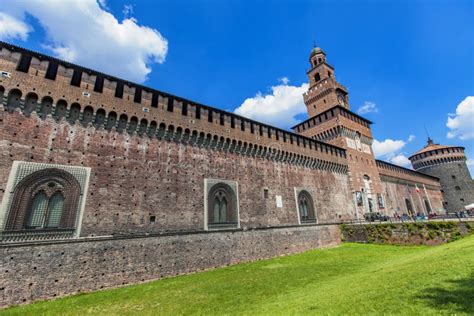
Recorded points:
(39,271)
(456,181)
(135,177)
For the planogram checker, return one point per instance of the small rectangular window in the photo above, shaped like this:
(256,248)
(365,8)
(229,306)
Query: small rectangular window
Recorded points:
(242,125)
(222,119)
(184,109)
(154,100)
(119,90)
(209,115)
(138,95)
(252,128)
(24,64)
(76,78)
(198,112)
(265,193)
(232,122)
(99,84)
(52,70)
(152,219)
(170,104)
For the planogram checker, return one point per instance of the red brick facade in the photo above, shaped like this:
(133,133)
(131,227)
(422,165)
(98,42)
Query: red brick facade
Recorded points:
(159,172)
(374,182)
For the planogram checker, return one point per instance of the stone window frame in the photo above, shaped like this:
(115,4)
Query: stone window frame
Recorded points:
(212,186)
(23,172)
(309,192)
(39,181)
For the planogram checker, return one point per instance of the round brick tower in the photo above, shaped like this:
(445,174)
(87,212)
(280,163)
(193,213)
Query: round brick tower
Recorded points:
(448,163)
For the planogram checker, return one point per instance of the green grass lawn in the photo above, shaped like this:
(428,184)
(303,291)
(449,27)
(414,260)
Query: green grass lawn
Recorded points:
(350,279)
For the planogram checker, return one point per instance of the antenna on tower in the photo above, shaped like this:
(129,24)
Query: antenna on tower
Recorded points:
(430,141)
(426,131)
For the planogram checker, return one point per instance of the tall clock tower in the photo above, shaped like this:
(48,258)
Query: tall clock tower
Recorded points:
(323,73)
(331,120)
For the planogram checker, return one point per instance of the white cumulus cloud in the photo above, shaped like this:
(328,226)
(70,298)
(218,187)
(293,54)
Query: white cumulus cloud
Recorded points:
(387,147)
(367,107)
(279,108)
(12,28)
(81,31)
(391,150)
(401,160)
(461,124)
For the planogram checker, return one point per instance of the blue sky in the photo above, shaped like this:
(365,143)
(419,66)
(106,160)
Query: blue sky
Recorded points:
(411,63)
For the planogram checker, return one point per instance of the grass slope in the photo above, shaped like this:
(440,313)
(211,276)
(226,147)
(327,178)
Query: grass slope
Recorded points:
(350,279)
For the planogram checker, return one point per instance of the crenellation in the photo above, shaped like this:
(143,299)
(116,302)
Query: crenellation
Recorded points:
(179,177)
(129,92)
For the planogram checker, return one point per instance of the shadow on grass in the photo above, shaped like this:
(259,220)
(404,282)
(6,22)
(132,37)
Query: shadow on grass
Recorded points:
(458,297)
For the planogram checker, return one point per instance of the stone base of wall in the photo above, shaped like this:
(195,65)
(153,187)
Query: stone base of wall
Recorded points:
(36,271)
(423,233)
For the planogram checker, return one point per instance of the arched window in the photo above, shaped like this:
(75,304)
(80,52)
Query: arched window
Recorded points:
(143,126)
(14,98)
(122,124)
(317,77)
(74,113)
(306,207)
(45,212)
(99,118)
(222,206)
(46,106)
(132,126)
(60,111)
(152,129)
(111,120)
(2,92)
(87,115)
(45,199)
(31,102)
(37,211)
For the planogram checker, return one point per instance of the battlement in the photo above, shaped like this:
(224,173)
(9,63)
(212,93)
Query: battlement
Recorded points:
(391,170)
(437,156)
(338,109)
(321,86)
(49,86)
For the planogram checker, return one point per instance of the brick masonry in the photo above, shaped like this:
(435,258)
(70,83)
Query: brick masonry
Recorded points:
(409,233)
(39,271)
(457,184)
(133,178)
(149,154)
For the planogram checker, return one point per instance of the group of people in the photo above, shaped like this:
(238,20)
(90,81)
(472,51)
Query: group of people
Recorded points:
(415,217)
(464,214)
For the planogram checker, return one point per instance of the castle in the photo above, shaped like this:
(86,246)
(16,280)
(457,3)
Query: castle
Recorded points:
(105,182)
